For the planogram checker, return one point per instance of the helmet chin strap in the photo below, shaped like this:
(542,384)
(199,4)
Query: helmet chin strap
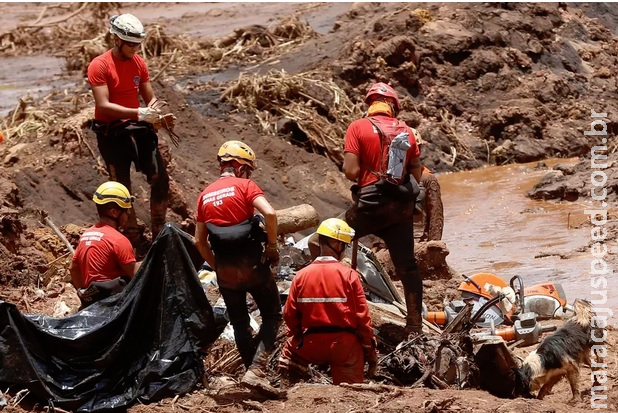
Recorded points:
(394,109)
(240,170)
(338,252)
(119,53)
(113,219)
(243,170)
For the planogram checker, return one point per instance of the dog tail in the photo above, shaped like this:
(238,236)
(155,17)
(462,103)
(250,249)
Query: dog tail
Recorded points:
(583,312)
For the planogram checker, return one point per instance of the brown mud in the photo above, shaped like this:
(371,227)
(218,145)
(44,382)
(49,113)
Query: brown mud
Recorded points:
(486,84)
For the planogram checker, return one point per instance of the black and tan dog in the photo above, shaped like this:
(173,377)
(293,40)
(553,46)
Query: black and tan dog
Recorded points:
(560,355)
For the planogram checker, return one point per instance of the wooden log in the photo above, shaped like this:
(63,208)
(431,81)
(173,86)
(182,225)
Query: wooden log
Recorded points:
(296,218)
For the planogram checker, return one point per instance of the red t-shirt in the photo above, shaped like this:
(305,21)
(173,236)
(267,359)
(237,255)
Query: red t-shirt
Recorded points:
(327,293)
(363,140)
(101,253)
(227,201)
(122,78)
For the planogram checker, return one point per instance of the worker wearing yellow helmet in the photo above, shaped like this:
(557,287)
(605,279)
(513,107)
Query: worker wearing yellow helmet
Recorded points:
(327,315)
(241,247)
(104,261)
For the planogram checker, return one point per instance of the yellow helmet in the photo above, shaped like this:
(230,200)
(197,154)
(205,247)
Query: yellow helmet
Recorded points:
(337,229)
(237,151)
(115,192)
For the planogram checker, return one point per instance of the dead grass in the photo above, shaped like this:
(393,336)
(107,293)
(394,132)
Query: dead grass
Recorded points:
(312,100)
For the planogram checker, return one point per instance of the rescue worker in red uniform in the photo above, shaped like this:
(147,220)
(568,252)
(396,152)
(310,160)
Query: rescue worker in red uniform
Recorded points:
(125,131)
(429,216)
(386,180)
(104,262)
(327,316)
(232,240)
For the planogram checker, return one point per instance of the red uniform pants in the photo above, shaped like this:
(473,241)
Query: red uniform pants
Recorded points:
(341,350)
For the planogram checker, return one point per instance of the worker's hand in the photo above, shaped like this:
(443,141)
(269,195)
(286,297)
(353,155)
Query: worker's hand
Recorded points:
(157,104)
(168,121)
(147,114)
(372,363)
(272,254)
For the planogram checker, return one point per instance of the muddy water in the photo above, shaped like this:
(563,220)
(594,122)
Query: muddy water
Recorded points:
(492,226)
(34,76)
(39,75)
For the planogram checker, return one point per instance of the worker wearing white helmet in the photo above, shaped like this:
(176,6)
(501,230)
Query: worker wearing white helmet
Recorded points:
(128,28)
(125,131)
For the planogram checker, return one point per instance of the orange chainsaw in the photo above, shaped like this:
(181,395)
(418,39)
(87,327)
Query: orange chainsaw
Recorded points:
(546,300)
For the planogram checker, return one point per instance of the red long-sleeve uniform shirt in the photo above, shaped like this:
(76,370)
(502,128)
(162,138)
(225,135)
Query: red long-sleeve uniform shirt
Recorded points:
(327,293)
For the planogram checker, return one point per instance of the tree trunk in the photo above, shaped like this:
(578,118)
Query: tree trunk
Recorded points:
(296,218)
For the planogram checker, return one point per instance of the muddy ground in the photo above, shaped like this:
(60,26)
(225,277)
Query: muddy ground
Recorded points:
(484,83)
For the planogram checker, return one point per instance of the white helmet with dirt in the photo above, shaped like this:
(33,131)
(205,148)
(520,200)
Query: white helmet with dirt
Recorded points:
(128,28)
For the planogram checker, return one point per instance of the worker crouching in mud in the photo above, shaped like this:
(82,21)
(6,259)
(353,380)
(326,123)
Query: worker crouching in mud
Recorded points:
(231,240)
(327,315)
(104,261)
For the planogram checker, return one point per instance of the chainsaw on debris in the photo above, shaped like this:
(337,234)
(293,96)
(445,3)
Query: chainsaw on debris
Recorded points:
(493,303)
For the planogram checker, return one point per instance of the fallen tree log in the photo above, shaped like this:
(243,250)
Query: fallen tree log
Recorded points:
(296,218)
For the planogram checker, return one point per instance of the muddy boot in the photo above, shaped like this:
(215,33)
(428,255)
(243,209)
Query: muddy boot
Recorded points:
(285,381)
(413,294)
(131,230)
(255,379)
(413,333)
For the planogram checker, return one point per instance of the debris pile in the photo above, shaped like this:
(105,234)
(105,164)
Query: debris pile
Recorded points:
(257,44)
(310,106)
(56,26)
(431,362)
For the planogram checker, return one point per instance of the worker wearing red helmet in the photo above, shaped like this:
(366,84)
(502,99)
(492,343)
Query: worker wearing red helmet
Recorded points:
(327,315)
(382,157)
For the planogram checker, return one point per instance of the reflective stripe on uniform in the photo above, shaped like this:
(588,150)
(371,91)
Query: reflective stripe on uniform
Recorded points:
(322,300)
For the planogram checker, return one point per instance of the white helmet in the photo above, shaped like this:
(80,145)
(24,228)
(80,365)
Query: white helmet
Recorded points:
(128,28)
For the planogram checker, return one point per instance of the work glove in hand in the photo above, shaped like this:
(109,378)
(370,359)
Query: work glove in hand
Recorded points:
(167,122)
(157,104)
(272,254)
(148,114)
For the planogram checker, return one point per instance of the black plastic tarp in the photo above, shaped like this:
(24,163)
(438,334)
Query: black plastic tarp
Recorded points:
(143,344)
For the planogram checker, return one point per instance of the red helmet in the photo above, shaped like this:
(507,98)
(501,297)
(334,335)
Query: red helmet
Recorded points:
(382,89)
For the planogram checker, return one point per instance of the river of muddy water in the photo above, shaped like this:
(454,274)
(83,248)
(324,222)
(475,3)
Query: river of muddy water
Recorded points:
(492,226)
